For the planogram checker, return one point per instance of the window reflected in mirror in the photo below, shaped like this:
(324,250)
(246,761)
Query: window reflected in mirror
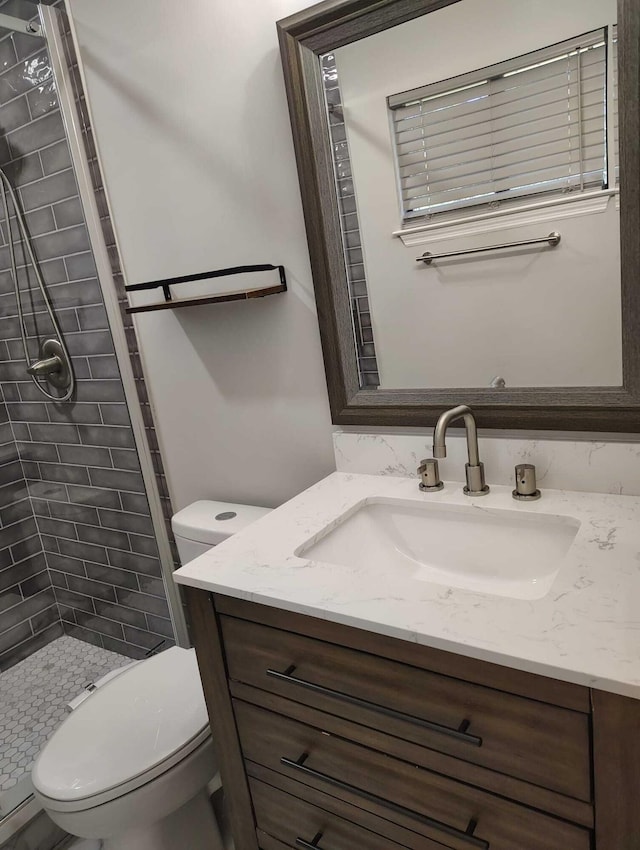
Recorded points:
(480,126)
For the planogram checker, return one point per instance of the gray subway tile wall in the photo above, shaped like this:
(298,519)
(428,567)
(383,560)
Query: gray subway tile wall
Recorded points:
(29,615)
(350,226)
(111,416)
(78,551)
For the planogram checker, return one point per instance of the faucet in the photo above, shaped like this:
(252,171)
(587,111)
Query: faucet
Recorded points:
(474,469)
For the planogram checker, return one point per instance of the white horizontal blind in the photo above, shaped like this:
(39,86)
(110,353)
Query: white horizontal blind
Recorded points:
(536,124)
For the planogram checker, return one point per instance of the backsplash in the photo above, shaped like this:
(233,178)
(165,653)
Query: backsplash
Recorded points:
(589,465)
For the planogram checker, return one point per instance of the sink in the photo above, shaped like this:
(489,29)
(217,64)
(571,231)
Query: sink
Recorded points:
(501,552)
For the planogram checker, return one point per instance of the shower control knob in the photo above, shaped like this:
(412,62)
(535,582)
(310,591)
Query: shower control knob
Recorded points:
(526,487)
(45,367)
(54,365)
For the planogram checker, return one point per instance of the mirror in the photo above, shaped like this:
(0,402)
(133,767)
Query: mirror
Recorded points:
(461,165)
(490,141)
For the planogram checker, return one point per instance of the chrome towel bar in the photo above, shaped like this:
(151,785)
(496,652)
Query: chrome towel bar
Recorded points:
(551,240)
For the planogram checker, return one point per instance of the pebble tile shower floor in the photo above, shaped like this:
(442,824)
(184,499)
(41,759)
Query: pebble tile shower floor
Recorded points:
(33,699)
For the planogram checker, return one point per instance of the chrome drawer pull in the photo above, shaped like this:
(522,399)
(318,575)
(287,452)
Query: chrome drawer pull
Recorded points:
(467,835)
(310,845)
(460,734)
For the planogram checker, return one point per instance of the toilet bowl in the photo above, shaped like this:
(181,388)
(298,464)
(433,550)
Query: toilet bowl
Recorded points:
(131,765)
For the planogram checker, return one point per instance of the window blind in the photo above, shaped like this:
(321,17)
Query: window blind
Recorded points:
(535,124)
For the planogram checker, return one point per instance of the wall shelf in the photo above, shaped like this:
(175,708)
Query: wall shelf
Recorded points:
(170,303)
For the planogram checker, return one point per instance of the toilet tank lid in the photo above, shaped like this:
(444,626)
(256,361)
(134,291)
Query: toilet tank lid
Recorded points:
(212,522)
(130,726)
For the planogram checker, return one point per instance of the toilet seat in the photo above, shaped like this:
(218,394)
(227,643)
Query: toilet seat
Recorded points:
(127,733)
(82,804)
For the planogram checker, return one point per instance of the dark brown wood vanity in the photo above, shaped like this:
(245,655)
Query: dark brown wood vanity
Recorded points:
(331,737)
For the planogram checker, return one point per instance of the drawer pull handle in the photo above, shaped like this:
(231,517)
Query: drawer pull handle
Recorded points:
(310,845)
(460,734)
(467,835)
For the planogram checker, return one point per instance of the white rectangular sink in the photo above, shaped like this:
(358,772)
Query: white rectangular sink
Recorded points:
(509,553)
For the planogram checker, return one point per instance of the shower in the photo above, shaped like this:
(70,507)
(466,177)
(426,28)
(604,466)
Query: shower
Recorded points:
(54,364)
(85,557)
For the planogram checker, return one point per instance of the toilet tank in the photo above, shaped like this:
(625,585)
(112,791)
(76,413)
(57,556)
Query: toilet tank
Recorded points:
(204,524)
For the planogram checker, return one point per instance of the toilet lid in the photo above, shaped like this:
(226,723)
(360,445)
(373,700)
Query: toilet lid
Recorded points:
(126,729)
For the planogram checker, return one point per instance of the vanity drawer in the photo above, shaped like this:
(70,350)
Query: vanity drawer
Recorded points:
(422,801)
(530,740)
(298,823)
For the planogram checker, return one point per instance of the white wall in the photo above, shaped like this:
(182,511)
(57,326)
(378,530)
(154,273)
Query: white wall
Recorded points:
(191,119)
(537,318)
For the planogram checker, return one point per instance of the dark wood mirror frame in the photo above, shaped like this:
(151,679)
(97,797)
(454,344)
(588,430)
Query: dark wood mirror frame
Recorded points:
(334,23)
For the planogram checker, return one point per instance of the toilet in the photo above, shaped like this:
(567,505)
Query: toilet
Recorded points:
(130,767)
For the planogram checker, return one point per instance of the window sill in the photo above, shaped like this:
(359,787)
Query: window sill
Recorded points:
(541,212)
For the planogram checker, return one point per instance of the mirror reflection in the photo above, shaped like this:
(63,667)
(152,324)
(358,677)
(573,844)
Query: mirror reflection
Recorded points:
(467,132)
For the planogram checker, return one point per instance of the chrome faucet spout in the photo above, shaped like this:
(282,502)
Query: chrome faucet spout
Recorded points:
(440,432)
(474,469)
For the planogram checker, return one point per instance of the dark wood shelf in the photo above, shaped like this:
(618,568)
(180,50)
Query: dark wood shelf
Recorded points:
(208,299)
(171,303)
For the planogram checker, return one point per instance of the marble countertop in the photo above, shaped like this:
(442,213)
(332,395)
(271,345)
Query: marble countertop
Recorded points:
(585,630)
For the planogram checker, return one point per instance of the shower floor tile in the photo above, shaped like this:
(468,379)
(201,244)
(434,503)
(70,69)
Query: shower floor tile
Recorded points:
(33,698)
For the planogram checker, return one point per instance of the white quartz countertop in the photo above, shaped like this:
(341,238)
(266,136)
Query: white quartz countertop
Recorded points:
(585,630)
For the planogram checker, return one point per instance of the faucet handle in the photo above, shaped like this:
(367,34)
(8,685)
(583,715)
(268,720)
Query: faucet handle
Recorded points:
(47,366)
(430,475)
(526,486)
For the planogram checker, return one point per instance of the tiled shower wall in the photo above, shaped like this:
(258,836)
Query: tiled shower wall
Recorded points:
(28,611)
(118,280)
(79,460)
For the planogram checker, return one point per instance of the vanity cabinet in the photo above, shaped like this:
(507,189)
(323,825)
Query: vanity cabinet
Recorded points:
(335,737)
